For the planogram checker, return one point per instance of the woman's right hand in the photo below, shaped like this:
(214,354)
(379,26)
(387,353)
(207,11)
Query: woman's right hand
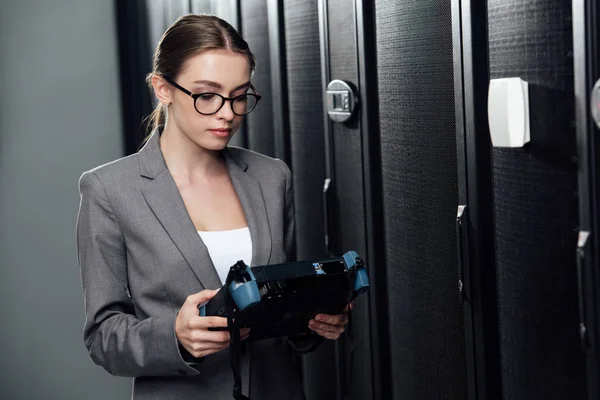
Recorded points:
(192,330)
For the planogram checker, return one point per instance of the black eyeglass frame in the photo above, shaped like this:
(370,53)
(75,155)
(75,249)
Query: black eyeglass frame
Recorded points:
(223,98)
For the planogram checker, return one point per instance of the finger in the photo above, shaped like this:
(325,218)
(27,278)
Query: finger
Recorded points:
(201,297)
(244,331)
(206,352)
(207,322)
(211,337)
(197,347)
(326,334)
(340,319)
(339,329)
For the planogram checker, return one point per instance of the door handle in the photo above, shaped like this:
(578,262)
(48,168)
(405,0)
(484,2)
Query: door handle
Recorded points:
(462,234)
(327,208)
(586,338)
(342,100)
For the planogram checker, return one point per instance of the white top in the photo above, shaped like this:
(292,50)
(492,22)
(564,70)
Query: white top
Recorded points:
(227,247)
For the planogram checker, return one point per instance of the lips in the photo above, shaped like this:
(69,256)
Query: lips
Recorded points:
(220,132)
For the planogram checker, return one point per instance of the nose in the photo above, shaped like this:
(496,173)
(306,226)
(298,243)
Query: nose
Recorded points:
(226,111)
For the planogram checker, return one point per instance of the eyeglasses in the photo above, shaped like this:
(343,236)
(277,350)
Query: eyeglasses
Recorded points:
(211,103)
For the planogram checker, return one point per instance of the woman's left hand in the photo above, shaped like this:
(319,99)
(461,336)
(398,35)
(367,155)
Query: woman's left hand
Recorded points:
(330,326)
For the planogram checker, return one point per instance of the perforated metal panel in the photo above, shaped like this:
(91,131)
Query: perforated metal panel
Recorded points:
(306,125)
(337,370)
(259,123)
(307,148)
(349,200)
(536,206)
(346,138)
(420,186)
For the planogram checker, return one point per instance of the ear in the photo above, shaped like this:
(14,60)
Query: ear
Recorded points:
(162,90)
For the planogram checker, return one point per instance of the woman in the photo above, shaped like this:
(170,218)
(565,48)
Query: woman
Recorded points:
(157,231)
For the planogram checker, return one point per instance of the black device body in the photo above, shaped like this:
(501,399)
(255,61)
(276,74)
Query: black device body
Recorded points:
(291,295)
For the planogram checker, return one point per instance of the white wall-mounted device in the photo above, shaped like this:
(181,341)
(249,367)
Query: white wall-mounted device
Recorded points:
(508,112)
(595,103)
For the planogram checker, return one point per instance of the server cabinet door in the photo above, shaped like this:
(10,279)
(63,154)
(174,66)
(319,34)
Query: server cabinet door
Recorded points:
(474,219)
(535,205)
(135,61)
(307,141)
(255,29)
(586,39)
(342,369)
(161,14)
(344,142)
(307,148)
(420,193)
(266,128)
(140,25)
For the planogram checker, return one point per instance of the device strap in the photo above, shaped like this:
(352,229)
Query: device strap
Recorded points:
(349,334)
(235,345)
(350,347)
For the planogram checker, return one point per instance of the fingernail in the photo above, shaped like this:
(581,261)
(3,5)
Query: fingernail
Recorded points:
(319,317)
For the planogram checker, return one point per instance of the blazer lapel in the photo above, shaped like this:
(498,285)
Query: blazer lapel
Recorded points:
(166,203)
(251,197)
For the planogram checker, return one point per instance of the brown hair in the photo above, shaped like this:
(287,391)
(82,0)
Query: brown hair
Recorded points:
(188,36)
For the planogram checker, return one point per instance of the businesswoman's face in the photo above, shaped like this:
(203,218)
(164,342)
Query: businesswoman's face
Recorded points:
(210,73)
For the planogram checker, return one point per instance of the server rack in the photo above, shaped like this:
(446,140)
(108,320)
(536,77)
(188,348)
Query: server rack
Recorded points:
(380,341)
(135,61)
(279,90)
(420,194)
(586,42)
(307,151)
(535,205)
(474,219)
(345,212)
(259,126)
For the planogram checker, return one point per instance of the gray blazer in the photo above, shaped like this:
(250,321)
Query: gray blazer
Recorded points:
(140,257)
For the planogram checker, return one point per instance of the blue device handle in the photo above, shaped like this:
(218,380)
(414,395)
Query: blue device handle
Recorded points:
(361,280)
(245,294)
